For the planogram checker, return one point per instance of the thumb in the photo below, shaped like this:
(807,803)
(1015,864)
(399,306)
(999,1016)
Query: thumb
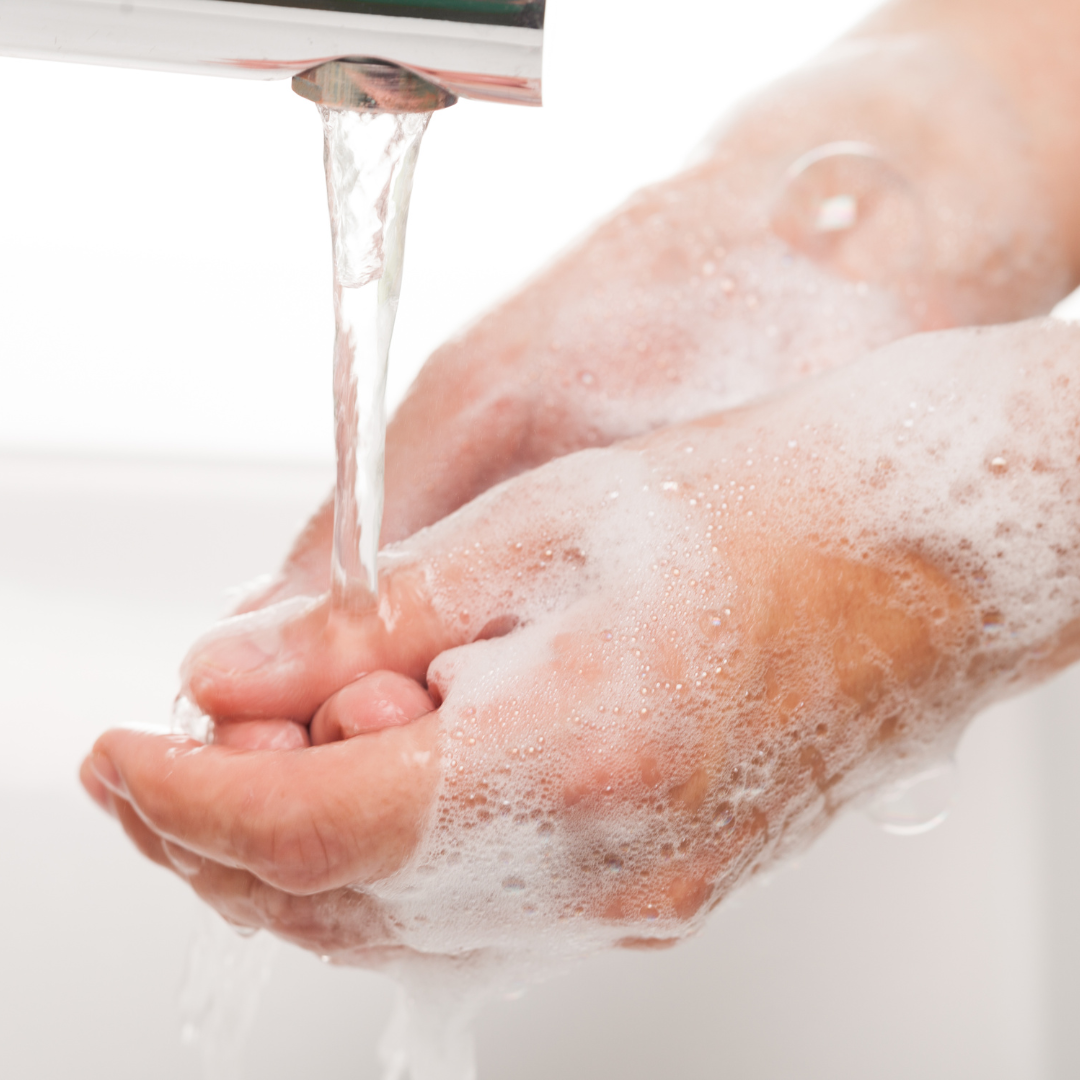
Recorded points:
(476,574)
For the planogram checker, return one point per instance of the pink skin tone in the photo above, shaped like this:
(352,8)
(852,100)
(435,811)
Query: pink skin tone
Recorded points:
(380,700)
(266,824)
(835,657)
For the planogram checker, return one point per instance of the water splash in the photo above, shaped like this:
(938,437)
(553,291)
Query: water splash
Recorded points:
(370,160)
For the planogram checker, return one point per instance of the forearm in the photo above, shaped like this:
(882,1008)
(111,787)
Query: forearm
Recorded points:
(972,139)
(696,296)
(1030,47)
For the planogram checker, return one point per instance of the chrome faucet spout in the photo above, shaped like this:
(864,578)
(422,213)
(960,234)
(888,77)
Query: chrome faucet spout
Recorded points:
(371,86)
(485,49)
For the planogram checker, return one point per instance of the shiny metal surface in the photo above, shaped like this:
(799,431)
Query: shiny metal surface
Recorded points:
(370,86)
(492,12)
(485,49)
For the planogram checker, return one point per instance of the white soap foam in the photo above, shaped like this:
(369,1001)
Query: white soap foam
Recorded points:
(675,709)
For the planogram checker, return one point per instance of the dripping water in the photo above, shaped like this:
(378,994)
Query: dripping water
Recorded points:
(916,804)
(225,976)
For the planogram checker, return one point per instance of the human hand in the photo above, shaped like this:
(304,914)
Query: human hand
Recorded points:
(720,285)
(816,596)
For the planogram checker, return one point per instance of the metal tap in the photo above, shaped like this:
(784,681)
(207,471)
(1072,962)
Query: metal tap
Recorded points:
(485,49)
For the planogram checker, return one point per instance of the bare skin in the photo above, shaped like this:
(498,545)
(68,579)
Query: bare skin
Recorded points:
(274,838)
(802,627)
(590,352)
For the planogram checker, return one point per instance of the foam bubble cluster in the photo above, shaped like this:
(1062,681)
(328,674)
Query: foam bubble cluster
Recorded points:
(725,632)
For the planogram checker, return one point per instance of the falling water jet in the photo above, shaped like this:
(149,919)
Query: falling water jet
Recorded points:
(374,116)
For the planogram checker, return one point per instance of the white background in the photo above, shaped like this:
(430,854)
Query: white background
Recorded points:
(164,293)
(164,247)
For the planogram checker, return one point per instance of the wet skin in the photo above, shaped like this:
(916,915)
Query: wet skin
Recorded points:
(764,639)
(271,830)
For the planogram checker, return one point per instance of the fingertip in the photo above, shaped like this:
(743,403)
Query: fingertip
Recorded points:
(122,758)
(250,660)
(104,770)
(373,703)
(93,786)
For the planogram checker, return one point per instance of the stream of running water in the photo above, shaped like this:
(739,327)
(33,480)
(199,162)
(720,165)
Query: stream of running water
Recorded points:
(370,159)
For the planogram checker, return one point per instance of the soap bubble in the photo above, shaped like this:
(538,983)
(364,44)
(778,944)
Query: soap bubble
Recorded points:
(845,207)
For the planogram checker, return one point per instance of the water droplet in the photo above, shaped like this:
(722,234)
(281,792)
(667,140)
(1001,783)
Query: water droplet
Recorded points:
(916,804)
(724,816)
(613,863)
(513,884)
(844,206)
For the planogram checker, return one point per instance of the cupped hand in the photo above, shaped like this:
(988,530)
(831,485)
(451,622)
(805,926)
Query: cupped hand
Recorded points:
(656,667)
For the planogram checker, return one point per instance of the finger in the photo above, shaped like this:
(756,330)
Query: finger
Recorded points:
(380,700)
(261,734)
(285,661)
(143,837)
(517,552)
(170,856)
(334,923)
(341,923)
(95,788)
(303,820)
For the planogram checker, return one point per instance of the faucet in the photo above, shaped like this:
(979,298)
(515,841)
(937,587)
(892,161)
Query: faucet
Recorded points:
(490,50)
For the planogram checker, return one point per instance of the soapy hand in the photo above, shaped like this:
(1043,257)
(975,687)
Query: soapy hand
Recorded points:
(727,282)
(657,667)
